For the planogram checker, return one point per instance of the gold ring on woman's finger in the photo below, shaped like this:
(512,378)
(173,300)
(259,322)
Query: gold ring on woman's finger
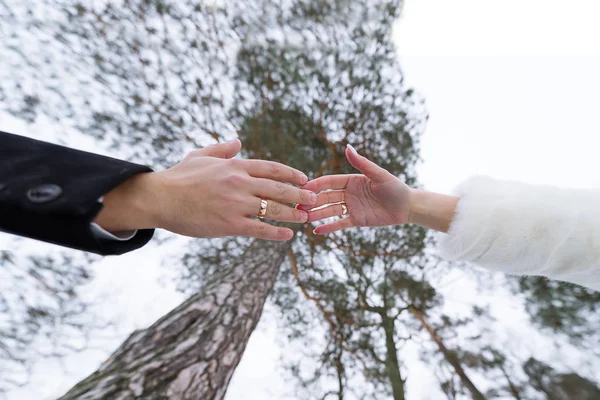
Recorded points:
(344,209)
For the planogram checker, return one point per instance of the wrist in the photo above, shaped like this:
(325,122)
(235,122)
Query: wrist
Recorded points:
(415,206)
(432,210)
(132,205)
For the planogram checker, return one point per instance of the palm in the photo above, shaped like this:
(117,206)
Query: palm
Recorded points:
(376,198)
(377,204)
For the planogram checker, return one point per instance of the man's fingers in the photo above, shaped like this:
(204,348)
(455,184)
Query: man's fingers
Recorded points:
(275,171)
(327,212)
(334,226)
(279,212)
(262,230)
(371,170)
(323,198)
(220,150)
(328,182)
(282,192)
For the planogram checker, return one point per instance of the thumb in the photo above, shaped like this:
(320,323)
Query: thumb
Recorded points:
(221,150)
(371,170)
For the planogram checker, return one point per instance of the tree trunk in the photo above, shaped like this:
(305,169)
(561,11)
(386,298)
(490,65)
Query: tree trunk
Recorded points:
(392,365)
(475,393)
(192,352)
(513,389)
(340,374)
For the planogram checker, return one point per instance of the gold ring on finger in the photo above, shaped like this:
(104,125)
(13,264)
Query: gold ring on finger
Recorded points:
(263,208)
(344,209)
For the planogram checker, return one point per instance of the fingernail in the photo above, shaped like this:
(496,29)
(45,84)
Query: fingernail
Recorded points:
(312,198)
(352,149)
(304,178)
(303,216)
(315,231)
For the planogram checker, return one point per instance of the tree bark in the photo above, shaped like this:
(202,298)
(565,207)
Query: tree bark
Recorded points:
(392,365)
(192,352)
(475,393)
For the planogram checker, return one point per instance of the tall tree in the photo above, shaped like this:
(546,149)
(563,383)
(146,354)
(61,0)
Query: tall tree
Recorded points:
(296,80)
(191,352)
(313,76)
(331,78)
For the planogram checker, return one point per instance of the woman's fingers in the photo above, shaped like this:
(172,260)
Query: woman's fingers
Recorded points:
(371,170)
(274,171)
(333,210)
(262,230)
(326,229)
(323,198)
(278,212)
(281,192)
(328,182)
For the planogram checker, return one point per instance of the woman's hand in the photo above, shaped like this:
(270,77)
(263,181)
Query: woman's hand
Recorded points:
(210,194)
(376,198)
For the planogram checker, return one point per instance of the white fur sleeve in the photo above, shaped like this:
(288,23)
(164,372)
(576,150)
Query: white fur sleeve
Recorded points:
(527,230)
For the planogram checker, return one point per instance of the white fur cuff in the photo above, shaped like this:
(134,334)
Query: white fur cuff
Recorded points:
(527,230)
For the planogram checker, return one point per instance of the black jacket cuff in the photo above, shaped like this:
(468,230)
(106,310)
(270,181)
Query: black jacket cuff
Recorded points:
(50,192)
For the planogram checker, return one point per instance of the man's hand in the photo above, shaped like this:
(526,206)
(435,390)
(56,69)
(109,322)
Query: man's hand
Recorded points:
(210,194)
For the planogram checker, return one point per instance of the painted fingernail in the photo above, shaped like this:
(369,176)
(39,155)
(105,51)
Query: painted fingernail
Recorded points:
(352,149)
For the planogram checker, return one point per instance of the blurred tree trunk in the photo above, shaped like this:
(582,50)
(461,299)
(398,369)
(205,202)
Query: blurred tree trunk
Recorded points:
(392,363)
(514,390)
(192,352)
(449,356)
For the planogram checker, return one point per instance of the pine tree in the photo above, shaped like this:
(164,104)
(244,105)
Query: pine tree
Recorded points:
(296,81)
(192,352)
(563,309)
(559,386)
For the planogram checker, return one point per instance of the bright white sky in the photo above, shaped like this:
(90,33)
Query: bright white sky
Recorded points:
(513,91)
(512,88)
(499,28)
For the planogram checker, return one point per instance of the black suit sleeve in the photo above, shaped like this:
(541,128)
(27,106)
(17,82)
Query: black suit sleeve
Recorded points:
(50,193)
